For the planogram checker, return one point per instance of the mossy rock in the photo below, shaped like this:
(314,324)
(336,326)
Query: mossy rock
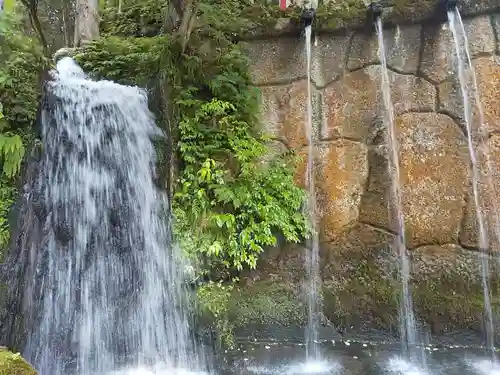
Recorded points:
(14,364)
(267,304)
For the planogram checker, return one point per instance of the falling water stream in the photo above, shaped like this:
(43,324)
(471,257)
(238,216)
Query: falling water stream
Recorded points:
(106,275)
(407,319)
(313,244)
(465,76)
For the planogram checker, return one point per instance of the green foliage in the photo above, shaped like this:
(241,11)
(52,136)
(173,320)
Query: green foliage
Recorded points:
(14,364)
(22,62)
(8,5)
(125,60)
(8,194)
(214,298)
(138,18)
(232,18)
(230,202)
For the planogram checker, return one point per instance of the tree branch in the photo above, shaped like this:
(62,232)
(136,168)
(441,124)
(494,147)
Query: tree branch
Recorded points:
(32,8)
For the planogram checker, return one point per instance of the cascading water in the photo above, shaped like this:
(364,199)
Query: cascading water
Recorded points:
(407,319)
(465,77)
(313,243)
(107,276)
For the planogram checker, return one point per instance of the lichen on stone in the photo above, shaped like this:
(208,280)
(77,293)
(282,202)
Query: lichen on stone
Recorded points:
(14,364)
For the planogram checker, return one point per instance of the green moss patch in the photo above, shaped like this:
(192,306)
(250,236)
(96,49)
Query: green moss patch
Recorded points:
(266,303)
(14,364)
(413,11)
(450,304)
(365,297)
(341,14)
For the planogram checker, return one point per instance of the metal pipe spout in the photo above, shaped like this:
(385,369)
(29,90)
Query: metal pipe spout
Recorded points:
(374,11)
(307,17)
(450,5)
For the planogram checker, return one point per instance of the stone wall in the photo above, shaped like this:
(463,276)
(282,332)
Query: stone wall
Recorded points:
(358,264)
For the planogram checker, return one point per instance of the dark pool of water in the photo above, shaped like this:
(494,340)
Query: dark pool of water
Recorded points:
(354,358)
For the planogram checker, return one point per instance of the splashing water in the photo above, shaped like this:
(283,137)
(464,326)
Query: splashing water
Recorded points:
(313,243)
(399,366)
(407,318)
(307,368)
(109,295)
(485,367)
(461,47)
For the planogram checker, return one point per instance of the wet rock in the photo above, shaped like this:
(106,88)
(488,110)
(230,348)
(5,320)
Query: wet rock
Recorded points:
(496,28)
(439,56)
(329,54)
(341,170)
(488,80)
(402,49)
(433,175)
(471,7)
(284,111)
(488,155)
(480,35)
(280,60)
(450,276)
(487,71)
(352,106)
(438,53)
(271,295)
(356,272)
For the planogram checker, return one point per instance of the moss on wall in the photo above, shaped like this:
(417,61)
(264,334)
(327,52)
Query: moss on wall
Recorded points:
(14,364)
(452,303)
(413,11)
(266,303)
(341,14)
(366,297)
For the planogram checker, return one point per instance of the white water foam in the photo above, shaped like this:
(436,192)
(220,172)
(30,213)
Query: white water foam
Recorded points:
(159,369)
(107,282)
(305,368)
(485,367)
(399,366)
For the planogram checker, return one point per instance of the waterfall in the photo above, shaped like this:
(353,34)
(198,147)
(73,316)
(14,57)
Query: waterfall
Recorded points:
(313,243)
(464,76)
(105,291)
(407,319)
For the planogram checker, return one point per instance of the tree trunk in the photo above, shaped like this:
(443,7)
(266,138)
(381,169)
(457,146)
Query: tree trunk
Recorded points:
(86,22)
(187,22)
(68,25)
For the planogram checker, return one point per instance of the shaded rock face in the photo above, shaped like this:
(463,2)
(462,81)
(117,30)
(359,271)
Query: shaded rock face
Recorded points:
(28,217)
(359,265)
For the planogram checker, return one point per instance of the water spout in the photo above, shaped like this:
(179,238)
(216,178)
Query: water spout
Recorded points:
(450,5)
(465,76)
(307,17)
(312,248)
(409,336)
(374,12)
